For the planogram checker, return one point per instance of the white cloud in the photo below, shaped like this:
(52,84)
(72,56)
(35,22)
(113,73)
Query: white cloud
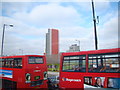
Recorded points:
(12,7)
(102,6)
(50,15)
(108,34)
(58,0)
(98,6)
(109,29)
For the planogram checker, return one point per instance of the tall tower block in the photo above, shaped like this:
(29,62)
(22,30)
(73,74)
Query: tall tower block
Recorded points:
(52,42)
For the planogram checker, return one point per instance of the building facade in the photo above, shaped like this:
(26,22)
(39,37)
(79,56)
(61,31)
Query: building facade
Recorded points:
(52,42)
(74,48)
(52,46)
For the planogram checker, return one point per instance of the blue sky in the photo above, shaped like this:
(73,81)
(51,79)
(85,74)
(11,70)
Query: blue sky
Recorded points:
(73,20)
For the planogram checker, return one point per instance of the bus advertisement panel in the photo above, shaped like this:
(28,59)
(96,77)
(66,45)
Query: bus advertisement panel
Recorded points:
(6,73)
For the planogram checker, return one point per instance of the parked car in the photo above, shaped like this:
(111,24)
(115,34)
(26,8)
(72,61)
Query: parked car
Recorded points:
(53,82)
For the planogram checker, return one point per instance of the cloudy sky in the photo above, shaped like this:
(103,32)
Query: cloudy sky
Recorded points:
(73,19)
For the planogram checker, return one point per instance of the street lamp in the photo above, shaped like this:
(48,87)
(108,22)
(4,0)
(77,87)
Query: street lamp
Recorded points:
(21,51)
(3,37)
(78,43)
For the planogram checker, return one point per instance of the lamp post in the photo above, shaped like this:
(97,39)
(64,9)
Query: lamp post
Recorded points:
(78,43)
(21,51)
(95,31)
(3,34)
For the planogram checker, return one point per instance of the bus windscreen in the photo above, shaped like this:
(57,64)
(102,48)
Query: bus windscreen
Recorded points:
(35,60)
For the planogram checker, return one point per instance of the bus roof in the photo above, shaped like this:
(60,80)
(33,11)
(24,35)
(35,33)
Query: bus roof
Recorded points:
(92,52)
(22,56)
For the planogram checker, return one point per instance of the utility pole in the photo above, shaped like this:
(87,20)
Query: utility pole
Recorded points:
(94,20)
(2,40)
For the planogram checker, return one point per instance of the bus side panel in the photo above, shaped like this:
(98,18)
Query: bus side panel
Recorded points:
(71,80)
(18,75)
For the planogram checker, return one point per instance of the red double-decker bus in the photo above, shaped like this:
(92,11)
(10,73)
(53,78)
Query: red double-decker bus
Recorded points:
(90,69)
(25,71)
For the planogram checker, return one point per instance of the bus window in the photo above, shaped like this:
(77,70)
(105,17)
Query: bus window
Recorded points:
(39,60)
(31,60)
(10,60)
(65,65)
(114,83)
(93,64)
(74,64)
(17,62)
(104,63)
(35,60)
(99,82)
(1,62)
(7,63)
(88,80)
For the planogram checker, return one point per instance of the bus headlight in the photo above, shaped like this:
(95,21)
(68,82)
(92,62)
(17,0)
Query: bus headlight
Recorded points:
(45,75)
(28,77)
